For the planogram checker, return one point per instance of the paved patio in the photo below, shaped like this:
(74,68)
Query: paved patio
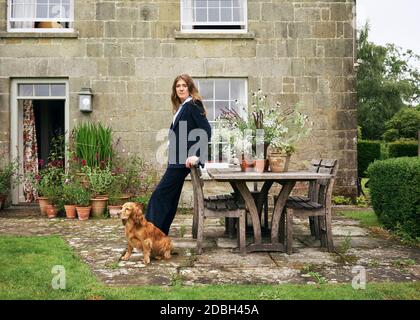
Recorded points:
(100,243)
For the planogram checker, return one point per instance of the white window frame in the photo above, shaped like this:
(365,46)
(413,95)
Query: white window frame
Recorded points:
(242,101)
(69,20)
(188,26)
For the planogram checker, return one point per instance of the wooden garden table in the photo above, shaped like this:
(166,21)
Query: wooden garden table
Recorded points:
(238,180)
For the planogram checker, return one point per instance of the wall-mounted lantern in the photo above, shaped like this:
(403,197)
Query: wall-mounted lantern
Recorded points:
(85,100)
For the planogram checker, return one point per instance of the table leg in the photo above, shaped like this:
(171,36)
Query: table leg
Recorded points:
(263,195)
(278,208)
(250,203)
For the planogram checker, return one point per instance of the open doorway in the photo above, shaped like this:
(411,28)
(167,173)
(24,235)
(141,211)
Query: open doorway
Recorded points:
(49,124)
(39,115)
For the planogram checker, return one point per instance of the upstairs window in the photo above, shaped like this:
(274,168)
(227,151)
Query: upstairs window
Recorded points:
(40,15)
(213,15)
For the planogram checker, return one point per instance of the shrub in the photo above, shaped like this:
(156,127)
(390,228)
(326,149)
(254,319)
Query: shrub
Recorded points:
(367,152)
(9,175)
(403,148)
(395,194)
(100,180)
(404,124)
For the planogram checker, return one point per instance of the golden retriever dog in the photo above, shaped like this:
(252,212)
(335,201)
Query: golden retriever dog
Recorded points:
(143,235)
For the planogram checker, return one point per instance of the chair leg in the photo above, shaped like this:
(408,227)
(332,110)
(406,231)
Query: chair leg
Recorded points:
(195,219)
(242,232)
(282,226)
(328,230)
(289,231)
(200,233)
(322,230)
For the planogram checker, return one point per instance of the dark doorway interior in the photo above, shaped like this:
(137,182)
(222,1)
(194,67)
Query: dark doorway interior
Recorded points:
(49,122)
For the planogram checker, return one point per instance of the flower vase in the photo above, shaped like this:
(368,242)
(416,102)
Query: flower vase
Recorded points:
(247,165)
(260,165)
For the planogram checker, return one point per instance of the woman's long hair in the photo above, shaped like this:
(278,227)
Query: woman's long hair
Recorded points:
(192,89)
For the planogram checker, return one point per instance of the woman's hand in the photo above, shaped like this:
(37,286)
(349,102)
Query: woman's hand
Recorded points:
(191,161)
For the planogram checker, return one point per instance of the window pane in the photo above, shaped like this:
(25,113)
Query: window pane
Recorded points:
(210,109)
(200,4)
(66,12)
(222,90)
(201,15)
(42,11)
(214,15)
(58,89)
(226,3)
(206,89)
(213,3)
(226,14)
(26,90)
(237,3)
(237,15)
(55,11)
(42,90)
(237,89)
(221,105)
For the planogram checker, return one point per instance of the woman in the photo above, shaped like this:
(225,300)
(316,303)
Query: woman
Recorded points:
(188,121)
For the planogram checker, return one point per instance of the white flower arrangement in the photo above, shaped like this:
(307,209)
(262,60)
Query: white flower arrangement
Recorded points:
(265,126)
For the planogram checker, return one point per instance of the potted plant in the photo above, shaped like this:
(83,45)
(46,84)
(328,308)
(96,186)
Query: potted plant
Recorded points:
(9,177)
(266,128)
(82,202)
(70,189)
(100,181)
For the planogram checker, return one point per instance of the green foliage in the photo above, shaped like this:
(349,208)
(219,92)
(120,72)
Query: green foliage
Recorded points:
(403,148)
(386,82)
(366,218)
(93,144)
(367,152)
(141,199)
(9,175)
(404,124)
(100,180)
(338,200)
(361,201)
(395,194)
(81,196)
(69,191)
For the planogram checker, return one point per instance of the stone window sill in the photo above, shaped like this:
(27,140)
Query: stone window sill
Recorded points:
(73,34)
(194,35)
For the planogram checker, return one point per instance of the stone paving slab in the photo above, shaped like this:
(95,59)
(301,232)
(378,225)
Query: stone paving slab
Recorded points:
(100,243)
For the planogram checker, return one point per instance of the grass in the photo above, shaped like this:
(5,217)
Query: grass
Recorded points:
(25,273)
(367,218)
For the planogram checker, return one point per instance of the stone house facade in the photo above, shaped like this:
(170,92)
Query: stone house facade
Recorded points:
(128,52)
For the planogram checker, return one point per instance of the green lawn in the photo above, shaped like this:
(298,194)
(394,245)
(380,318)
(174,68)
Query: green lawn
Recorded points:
(367,218)
(25,273)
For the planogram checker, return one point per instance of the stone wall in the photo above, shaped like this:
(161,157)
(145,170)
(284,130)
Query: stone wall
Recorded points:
(129,52)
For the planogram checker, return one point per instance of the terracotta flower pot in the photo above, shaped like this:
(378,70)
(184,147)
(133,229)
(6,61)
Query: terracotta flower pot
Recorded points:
(83,212)
(98,207)
(51,211)
(247,165)
(279,162)
(114,211)
(43,202)
(70,211)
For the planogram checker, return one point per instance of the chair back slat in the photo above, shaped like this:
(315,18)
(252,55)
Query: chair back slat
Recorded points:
(313,186)
(329,166)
